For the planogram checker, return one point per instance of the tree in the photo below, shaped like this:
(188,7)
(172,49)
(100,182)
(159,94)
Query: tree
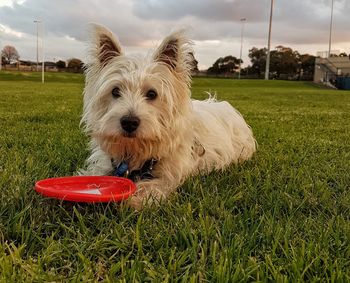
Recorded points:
(343,54)
(60,64)
(307,65)
(284,62)
(9,54)
(223,65)
(75,64)
(258,59)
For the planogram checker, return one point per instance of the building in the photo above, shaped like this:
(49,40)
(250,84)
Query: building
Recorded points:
(26,65)
(328,69)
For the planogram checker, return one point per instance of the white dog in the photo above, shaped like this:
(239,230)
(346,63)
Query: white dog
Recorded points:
(144,125)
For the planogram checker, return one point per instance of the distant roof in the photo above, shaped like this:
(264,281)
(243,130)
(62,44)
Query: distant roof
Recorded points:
(31,63)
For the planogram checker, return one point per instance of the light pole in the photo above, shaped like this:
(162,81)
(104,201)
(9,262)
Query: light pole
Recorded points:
(243,20)
(267,69)
(330,31)
(37,44)
(43,54)
(42,48)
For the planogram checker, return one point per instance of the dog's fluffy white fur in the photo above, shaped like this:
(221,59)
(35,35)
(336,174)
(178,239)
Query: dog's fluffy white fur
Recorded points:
(185,136)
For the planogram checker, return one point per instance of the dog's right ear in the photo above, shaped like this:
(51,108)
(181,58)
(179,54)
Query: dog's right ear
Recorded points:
(105,44)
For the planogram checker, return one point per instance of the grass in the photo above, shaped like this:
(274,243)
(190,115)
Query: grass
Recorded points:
(283,216)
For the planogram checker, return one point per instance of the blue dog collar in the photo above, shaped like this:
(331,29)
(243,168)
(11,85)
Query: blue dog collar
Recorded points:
(122,170)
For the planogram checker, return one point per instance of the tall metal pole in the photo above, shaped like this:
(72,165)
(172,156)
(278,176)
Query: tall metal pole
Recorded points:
(37,44)
(240,53)
(43,54)
(330,31)
(267,69)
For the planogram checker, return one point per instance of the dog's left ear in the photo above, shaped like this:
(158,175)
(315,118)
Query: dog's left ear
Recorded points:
(105,44)
(175,52)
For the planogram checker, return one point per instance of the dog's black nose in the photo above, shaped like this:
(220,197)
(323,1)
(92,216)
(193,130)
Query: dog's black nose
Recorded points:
(129,123)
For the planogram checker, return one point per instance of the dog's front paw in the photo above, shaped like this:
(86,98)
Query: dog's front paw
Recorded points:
(148,193)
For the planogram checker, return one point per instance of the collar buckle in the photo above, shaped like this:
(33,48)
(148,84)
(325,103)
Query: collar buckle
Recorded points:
(122,170)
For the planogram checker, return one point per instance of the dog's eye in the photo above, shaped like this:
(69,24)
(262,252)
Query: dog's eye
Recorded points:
(151,94)
(116,92)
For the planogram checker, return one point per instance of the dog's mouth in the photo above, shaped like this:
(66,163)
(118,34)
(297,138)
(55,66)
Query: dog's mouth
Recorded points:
(121,137)
(129,135)
(114,137)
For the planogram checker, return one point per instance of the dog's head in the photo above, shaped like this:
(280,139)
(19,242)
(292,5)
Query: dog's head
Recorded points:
(135,105)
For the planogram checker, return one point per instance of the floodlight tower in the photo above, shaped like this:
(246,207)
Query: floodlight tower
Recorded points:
(267,68)
(42,49)
(43,54)
(37,22)
(243,20)
(330,31)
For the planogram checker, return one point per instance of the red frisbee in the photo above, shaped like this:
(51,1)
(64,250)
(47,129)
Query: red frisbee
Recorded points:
(87,188)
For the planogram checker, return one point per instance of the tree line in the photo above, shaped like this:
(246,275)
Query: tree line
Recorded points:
(10,55)
(285,63)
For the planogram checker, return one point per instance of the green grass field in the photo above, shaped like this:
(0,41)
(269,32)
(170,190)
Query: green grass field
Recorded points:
(283,216)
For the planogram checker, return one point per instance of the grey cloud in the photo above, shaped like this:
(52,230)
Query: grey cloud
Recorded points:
(66,17)
(210,10)
(141,22)
(304,18)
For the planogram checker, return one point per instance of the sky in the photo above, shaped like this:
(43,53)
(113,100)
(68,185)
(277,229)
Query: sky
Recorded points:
(214,26)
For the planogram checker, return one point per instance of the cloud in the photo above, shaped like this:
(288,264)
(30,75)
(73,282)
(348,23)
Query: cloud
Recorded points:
(66,17)
(300,17)
(8,31)
(209,10)
(141,24)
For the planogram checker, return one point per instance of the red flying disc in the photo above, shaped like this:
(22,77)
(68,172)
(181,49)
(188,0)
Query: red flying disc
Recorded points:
(87,188)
